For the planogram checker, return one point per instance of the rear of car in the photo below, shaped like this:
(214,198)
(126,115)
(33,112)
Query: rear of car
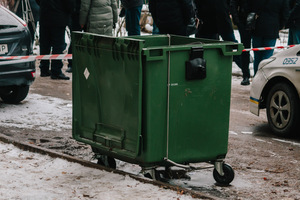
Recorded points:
(276,87)
(16,76)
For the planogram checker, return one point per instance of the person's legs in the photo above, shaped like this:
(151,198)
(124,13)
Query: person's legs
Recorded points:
(70,65)
(257,42)
(261,55)
(297,37)
(45,47)
(228,37)
(294,36)
(132,19)
(58,46)
(245,57)
(75,26)
(268,43)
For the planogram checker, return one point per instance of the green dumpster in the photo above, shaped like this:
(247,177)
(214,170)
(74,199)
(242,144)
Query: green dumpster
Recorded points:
(154,100)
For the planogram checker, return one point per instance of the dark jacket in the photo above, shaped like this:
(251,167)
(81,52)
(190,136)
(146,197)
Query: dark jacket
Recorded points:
(172,13)
(55,12)
(272,17)
(131,3)
(215,16)
(294,19)
(239,10)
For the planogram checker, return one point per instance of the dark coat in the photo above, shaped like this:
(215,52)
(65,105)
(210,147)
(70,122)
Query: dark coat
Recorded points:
(131,3)
(239,10)
(272,17)
(215,16)
(170,14)
(294,19)
(55,12)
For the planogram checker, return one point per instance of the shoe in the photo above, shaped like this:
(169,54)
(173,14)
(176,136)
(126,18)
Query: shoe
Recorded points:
(245,81)
(60,76)
(69,70)
(45,74)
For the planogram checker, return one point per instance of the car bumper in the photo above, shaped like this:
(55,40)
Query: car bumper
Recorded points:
(17,72)
(258,84)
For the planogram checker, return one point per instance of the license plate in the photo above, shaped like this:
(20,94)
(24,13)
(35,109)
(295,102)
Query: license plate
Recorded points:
(3,49)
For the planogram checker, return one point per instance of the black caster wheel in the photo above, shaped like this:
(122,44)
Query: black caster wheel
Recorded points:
(154,174)
(107,161)
(228,176)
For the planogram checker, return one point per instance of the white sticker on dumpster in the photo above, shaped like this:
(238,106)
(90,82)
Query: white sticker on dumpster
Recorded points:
(86,73)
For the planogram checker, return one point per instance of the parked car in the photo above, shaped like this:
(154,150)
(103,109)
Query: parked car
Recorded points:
(16,76)
(276,87)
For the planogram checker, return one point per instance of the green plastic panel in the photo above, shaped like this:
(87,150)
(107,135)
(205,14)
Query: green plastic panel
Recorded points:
(107,85)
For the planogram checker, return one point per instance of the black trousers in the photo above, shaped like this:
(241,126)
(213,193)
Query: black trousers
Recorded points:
(52,37)
(245,57)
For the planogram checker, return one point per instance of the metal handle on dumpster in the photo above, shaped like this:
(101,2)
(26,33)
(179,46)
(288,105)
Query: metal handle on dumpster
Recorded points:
(155,54)
(232,49)
(108,134)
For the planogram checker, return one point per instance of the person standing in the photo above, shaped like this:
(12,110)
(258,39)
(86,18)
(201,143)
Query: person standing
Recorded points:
(74,26)
(54,17)
(239,10)
(215,21)
(294,22)
(133,10)
(272,17)
(172,16)
(99,16)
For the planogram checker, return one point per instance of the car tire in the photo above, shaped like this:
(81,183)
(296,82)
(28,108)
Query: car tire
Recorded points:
(283,110)
(15,94)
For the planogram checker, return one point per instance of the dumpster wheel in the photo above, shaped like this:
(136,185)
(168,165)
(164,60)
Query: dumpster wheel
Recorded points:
(106,161)
(153,174)
(228,175)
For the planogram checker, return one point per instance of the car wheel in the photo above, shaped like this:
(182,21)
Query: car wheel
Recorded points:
(15,95)
(283,109)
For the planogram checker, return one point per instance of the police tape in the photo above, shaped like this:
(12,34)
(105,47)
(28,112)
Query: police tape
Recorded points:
(38,57)
(268,48)
(69,56)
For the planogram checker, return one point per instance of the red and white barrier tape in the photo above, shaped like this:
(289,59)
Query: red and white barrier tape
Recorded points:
(268,48)
(69,56)
(40,57)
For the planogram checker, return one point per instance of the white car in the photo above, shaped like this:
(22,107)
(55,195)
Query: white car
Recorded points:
(276,87)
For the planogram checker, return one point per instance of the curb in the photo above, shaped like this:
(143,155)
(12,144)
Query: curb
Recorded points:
(53,154)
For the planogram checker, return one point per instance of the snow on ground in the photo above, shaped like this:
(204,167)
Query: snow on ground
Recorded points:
(26,175)
(37,112)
